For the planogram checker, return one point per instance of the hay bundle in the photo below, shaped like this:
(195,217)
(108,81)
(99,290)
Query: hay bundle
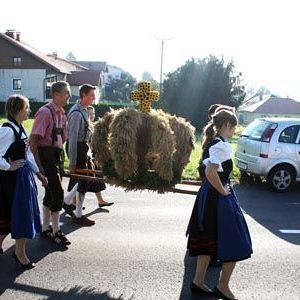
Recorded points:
(123,141)
(143,150)
(100,139)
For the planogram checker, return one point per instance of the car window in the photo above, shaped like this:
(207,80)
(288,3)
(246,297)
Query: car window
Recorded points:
(289,134)
(256,129)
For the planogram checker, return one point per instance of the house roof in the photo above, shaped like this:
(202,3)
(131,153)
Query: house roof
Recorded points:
(94,65)
(274,105)
(70,65)
(78,78)
(57,65)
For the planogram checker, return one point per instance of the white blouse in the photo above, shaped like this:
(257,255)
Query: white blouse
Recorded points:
(218,153)
(7,137)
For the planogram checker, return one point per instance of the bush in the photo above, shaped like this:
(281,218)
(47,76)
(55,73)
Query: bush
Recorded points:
(100,109)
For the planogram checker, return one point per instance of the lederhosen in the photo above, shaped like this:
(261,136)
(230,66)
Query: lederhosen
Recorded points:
(84,161)
(52,160)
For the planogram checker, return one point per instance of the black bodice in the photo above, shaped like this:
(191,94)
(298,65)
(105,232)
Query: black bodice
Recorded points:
(17,150)
(226,165)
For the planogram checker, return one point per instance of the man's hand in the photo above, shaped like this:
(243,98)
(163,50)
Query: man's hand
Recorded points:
(16,164)
(42,178)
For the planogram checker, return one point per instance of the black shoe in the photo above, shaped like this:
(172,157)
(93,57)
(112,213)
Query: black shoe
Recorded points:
(73,207)
(47,234)
(196,290)
(28,266)
(60,239)
(69,209)
(105,204)
(1,251)
(220,295)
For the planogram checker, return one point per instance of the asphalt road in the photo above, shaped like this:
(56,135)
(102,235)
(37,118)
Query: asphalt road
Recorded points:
(137,250)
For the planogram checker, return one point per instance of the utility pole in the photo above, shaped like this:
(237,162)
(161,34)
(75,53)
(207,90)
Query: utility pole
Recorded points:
(161,66)
(161,63)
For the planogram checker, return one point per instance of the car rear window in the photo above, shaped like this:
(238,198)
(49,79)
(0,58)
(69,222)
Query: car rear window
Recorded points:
(256,129)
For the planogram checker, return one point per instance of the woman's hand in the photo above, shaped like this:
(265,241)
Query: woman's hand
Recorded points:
(226,191)
(16,164)
(42,178)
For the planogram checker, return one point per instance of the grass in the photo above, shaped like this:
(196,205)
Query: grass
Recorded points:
(191,170)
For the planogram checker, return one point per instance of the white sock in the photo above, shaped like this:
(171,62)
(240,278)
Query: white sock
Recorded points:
(79,204)
(55,221)
(46,218)
(69,197)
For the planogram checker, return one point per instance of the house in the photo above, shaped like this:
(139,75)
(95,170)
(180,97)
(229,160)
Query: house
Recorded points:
(78,78)
(27,71)
(99,66)
(269,107)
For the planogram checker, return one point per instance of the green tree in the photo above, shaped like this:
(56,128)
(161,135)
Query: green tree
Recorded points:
(119,89)
(193,87)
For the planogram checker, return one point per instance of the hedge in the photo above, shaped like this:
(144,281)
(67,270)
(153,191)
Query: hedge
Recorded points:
(100,109)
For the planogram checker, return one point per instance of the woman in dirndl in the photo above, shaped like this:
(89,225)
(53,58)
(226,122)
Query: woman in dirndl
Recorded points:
(19,211)
(217,229)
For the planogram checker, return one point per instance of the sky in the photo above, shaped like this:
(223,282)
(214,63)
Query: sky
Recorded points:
(260,36)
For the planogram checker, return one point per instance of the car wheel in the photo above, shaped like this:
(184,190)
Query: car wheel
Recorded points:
(281,178)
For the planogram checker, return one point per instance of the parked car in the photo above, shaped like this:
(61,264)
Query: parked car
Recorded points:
(270,147)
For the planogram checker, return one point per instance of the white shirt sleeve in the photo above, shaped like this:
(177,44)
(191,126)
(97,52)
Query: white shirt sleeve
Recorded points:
(7,137)
(31,161)
(218,153)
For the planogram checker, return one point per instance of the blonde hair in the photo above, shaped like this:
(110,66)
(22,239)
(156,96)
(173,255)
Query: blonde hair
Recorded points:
(219,119)
(14,104)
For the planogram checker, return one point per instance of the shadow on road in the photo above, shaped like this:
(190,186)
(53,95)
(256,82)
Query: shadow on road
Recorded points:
(274,211)
(38,249)
(211,279)
(76,292)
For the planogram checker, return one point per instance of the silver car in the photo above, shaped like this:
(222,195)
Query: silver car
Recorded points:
(270,147)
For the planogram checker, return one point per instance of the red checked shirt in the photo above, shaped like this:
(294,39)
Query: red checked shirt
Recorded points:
(43,125)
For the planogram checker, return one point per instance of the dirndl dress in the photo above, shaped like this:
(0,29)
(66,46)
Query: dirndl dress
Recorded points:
(217,226)
(18,194)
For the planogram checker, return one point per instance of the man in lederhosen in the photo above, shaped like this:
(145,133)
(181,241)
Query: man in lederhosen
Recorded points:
(79,152)
(47,137)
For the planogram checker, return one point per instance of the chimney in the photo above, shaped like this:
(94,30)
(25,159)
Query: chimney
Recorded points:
(10,33)
(18,34)
(54,54)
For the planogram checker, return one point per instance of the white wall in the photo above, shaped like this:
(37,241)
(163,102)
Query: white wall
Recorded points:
(32,83)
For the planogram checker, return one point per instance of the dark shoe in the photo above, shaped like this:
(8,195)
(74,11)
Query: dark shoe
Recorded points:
(106,204)
(28,266)
(69,209)
(196,290)
(60,239)
(1,251)
(83,221)
(47,234)
(73,207)
(220,295)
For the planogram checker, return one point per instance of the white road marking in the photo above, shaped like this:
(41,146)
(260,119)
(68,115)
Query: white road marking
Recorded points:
(290,231)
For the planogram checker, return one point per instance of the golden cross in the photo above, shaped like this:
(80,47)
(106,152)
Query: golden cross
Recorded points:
(144,95)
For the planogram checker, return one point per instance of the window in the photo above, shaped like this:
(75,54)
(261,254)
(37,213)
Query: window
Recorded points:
(255,131)
(17,61)
(289,134)
(17,84)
